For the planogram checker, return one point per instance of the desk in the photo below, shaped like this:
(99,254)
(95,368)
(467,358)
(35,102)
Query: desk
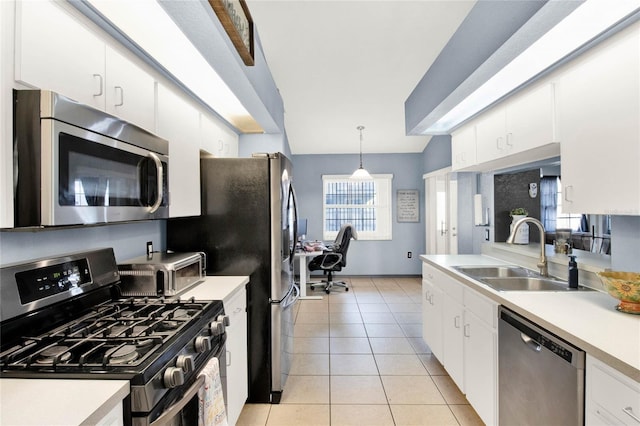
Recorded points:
(302,257)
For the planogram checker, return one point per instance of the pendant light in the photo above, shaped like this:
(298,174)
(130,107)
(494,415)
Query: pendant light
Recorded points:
(361,173)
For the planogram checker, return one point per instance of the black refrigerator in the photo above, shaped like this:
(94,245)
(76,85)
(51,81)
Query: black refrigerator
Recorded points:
(248,227)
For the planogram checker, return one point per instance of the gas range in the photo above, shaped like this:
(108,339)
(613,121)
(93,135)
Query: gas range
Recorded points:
(63,318)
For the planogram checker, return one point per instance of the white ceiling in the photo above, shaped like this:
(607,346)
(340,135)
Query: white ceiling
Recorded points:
(340,64)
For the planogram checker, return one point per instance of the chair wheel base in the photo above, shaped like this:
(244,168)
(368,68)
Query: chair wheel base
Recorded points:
(327,291)
(312,287)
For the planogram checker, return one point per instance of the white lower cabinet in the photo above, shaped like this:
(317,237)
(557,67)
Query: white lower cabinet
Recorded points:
(611,398)
(461,324)
(237,375)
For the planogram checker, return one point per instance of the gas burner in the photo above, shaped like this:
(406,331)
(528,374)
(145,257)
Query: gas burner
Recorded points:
(144,344)
(181,313)
(168,325)
(49,355)
(122,355)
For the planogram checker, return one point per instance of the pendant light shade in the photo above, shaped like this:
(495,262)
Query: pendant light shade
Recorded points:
(361,173)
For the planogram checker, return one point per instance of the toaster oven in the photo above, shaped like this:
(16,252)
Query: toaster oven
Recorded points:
(161,273)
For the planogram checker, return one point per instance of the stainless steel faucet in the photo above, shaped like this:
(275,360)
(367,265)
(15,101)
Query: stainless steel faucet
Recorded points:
(542,263)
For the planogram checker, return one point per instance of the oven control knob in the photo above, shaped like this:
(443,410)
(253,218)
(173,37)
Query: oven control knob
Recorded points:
(216,328)
(185,362)
(202,344)
(224,319)
(173,377)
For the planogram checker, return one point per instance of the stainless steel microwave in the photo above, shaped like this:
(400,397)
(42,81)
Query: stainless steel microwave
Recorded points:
(74,164)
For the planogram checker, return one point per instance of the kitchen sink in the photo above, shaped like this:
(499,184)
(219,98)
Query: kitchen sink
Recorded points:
(514,278)
(526,284)
(495,271)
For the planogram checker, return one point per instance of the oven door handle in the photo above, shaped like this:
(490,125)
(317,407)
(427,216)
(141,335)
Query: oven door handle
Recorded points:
(160,195)
(171,412)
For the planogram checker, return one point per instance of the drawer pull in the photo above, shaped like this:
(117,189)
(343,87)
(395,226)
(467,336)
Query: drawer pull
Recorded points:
(629,412)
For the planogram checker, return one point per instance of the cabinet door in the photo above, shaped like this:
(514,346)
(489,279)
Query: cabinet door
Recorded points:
(130,91)
(55,52)
(598,110)
(453,361)
(463,147)
(530,119)
(480,367)
(178,122)
(491,141)
(237,375)
(432,317)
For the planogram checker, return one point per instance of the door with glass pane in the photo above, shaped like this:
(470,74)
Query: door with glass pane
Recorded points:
(441,208)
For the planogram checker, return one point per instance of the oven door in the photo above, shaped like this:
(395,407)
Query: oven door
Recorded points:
(96,179)
(185,411)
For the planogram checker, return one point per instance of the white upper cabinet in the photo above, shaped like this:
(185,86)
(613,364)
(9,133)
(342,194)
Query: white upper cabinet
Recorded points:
(216,138)
(463,147)
(55,52)
(530,119)
(130,91)
(599,124)
(491,135)
(518,131)
(179,123)
(523,125)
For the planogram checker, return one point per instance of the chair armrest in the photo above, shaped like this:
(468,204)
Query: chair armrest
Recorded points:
(329,260)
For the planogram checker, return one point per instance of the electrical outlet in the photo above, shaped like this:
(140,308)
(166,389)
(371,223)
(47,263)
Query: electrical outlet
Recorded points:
(409,254)
(149,248)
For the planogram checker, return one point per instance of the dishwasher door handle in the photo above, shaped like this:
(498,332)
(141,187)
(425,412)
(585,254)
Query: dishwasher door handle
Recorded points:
(533,345)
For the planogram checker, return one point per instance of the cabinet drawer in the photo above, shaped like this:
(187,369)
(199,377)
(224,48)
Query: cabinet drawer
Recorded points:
(485,309)
(614,392)
(444,282)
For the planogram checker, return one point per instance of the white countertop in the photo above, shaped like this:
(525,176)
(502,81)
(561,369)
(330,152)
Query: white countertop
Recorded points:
(84,402)
(216,288)
(58,402)
(587,319)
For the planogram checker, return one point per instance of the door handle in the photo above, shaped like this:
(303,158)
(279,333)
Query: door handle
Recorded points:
(456,321)
(121,90)
(160,195)
(467,330)
(533,345)
(100,90)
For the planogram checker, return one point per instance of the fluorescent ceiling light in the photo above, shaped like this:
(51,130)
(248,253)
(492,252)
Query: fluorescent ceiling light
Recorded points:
(590,19)
(148,25)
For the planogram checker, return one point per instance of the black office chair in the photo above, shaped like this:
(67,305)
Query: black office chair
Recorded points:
(335,258)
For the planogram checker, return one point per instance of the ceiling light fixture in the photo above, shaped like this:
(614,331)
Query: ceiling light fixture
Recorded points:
(361,173)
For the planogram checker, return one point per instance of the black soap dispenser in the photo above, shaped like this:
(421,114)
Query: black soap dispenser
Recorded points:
(573,272)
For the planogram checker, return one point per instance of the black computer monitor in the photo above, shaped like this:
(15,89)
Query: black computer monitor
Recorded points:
(302,229)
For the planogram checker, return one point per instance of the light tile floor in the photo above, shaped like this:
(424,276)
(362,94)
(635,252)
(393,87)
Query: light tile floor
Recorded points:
(360,360)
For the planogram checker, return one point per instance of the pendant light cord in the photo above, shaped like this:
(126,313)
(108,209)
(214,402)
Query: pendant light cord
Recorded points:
(361,128)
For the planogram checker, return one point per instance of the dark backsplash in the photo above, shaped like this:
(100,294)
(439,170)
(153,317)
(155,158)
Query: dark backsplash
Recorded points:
(511,191)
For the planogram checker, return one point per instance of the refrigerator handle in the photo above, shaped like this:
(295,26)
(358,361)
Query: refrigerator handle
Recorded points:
(292,196)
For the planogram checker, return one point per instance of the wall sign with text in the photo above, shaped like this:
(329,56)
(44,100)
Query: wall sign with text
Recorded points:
(408,205)
(235,18)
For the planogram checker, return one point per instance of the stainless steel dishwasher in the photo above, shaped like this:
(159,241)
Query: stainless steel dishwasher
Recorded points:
(541,377)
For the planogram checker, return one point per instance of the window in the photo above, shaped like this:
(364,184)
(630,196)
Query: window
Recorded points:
(365,204)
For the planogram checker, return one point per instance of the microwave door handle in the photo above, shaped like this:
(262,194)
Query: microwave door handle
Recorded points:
(159,169)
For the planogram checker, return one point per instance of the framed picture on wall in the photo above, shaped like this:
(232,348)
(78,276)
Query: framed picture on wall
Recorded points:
(408,205)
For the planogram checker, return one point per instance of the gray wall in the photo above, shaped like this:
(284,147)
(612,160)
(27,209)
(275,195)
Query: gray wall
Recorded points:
(437,153)
(127,239)
(366,257)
